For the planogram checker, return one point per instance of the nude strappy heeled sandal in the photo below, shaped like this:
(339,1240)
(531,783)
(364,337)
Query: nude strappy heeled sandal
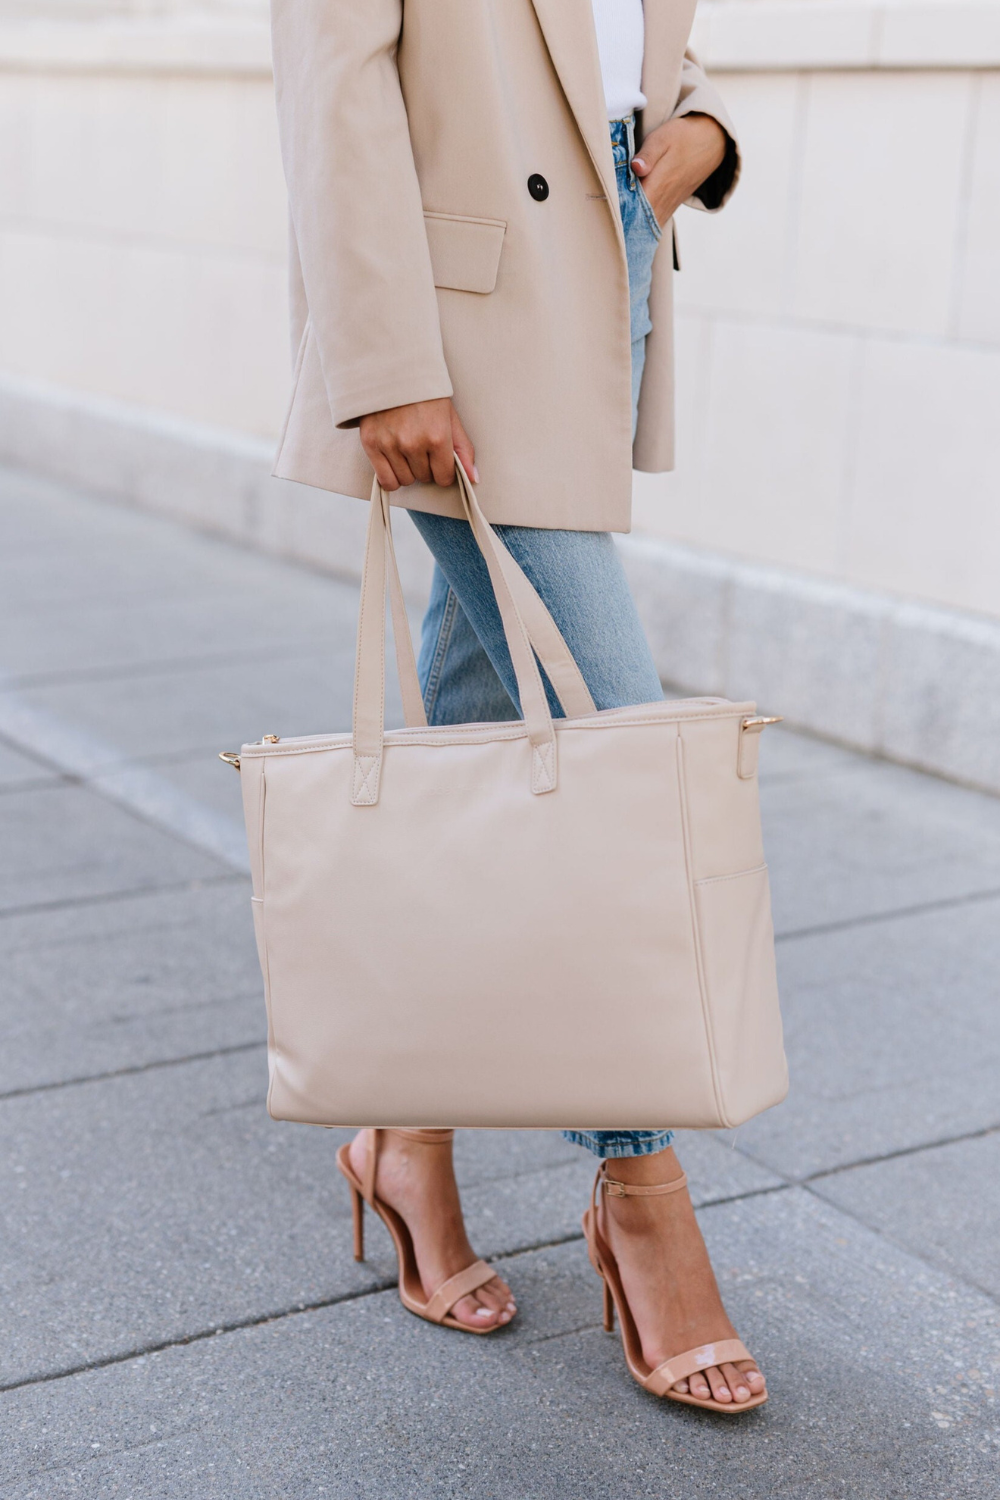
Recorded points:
(437,1308)
(661,1380)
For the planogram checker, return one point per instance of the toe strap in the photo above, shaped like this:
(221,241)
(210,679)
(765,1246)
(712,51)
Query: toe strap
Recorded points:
(457,1287)
(727,1351)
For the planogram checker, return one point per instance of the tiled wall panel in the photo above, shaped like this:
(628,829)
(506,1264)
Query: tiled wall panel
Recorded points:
(197,335)
(880,189)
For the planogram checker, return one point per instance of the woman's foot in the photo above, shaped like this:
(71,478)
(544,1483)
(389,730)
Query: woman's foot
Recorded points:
(668,1279)
(418,1180)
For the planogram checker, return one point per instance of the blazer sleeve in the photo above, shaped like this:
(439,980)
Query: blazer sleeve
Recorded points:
(356,212)
(699,97)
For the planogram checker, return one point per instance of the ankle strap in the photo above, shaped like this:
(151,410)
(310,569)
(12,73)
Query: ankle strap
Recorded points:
(633,1190)
(429,1138)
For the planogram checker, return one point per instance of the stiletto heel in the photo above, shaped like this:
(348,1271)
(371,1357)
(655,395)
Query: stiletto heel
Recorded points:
(436,1308)
(609,1308)
(661,1380)
(358,1213)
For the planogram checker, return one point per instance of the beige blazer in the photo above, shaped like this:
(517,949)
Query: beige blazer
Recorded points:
(422,265)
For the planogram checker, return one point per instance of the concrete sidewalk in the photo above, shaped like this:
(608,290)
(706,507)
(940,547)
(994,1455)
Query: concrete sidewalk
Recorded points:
(181,1315)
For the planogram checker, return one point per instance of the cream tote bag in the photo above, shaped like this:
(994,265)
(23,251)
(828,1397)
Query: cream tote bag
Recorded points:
(549,923)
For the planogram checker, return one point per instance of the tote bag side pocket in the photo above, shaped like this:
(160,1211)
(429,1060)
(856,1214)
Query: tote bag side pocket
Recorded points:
(732,913)
(737,949)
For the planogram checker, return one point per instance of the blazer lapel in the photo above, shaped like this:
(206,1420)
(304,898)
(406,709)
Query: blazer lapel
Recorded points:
(572,42)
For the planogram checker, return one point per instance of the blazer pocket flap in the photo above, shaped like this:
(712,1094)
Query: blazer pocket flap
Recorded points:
(465,253)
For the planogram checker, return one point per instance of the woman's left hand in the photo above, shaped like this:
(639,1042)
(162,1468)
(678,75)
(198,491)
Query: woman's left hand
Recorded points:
(675,159)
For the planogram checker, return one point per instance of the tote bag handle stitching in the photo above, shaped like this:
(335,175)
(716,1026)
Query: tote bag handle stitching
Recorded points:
(527,613)
(706,1009)
(534,704)
(551,649)
(369,727)
(364,733)
(414,712)
(512,590)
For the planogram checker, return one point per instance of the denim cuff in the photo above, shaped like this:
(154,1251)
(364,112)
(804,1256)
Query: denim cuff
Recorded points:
(609,1143)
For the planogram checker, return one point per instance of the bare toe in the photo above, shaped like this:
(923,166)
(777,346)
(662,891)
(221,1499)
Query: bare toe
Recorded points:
(486,1307)
(497,1295)
(699,1387)
(474,1313)
(736,1381)
(720,1388)
(752,1376)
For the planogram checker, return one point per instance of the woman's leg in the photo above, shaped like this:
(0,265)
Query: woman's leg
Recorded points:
(580,578)
(459,683)
(668,1279)
(417,1179)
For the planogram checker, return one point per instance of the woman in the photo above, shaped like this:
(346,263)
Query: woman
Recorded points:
(475,271)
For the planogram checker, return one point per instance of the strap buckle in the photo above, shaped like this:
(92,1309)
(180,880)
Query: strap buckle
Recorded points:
(615,1189)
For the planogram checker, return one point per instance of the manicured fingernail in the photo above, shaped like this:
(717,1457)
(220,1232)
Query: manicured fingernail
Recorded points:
(637,161)
(475,474)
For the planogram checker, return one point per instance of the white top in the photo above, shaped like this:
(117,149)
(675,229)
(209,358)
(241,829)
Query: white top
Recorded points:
(620,41)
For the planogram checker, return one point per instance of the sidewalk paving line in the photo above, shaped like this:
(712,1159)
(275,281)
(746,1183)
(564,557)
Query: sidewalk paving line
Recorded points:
(146,1067)
(140,790)
(295,1310)
(107,898)
(889,914)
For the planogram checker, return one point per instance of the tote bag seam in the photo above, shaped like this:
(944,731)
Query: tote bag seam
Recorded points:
(706,1008)
(266,974)
(402,737)
(736,875)
(260,829)
(272,1045)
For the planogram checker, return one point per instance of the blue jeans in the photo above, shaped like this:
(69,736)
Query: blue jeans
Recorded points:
(465,668)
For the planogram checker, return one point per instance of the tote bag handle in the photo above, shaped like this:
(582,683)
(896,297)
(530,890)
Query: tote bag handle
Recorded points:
(527,625)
